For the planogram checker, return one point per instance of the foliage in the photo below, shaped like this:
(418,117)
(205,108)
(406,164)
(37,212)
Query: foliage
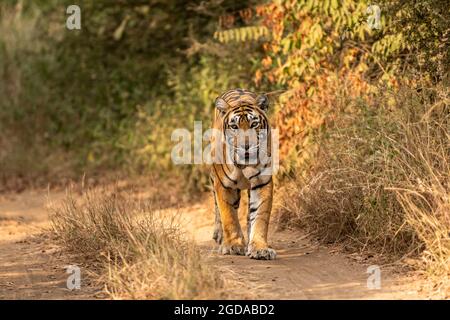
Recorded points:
(25,65)
(307,56)
(415,38)
(241,34)
(381,181)
(316,45)
(114,90)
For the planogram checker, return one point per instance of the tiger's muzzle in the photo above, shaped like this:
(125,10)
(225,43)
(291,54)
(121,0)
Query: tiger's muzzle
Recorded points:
(245,147)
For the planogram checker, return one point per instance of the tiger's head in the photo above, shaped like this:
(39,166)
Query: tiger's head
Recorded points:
(242,117)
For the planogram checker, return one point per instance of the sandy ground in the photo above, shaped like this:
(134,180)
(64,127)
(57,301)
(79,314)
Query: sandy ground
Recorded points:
(32,267)
(303,269)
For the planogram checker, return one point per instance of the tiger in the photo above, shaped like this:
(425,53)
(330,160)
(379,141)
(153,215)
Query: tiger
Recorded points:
(243,134)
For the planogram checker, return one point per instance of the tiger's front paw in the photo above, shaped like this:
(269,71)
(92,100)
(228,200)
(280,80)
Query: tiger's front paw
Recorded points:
(237,248)
(261,253)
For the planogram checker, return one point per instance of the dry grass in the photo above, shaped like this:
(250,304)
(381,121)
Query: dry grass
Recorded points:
(140,254)
(381,183)
(423,163)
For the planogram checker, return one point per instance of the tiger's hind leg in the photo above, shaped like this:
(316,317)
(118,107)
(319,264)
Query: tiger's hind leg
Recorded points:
(218,231)
(227,200)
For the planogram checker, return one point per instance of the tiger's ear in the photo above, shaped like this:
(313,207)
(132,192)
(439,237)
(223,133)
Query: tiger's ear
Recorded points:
(221,105)
(262,102)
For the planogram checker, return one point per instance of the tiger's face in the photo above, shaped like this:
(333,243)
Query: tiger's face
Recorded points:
(245,132)
(245,129)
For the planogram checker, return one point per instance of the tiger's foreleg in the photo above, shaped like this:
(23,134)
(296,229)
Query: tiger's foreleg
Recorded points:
(227,201)
(260,206)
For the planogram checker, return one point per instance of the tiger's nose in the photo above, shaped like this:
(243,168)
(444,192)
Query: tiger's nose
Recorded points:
(247,150)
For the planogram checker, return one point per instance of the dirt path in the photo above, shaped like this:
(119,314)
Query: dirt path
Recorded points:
(302,270)
(31,267)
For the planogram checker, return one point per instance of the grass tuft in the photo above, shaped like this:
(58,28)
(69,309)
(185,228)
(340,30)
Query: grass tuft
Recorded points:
(142,254)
